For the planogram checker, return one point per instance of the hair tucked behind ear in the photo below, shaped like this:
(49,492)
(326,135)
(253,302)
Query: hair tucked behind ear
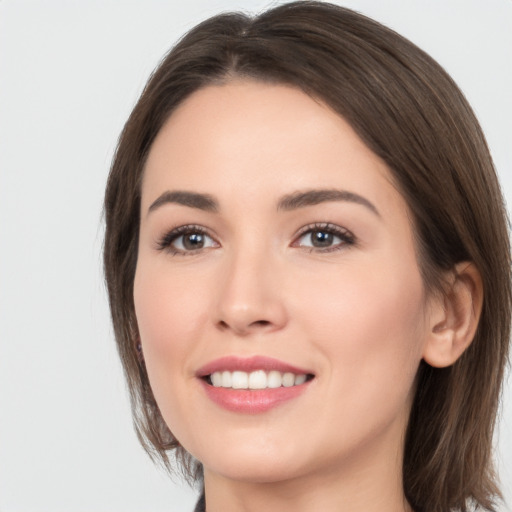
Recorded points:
(412,115)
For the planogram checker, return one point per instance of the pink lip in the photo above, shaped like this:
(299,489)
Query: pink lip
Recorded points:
(245,400)
(248,364)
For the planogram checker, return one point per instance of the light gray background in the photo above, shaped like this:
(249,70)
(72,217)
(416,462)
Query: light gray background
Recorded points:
(70,72)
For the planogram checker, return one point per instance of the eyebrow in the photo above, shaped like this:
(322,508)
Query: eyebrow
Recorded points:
(312,197)
(191,199)
(293,201)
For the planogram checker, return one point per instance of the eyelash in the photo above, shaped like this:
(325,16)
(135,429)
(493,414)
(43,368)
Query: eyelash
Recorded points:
(165,243)
(346,237)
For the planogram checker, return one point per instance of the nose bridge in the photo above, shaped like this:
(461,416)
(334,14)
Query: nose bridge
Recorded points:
(249,299)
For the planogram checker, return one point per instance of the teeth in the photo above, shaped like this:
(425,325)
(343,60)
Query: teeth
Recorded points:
(239,380)
(274,379)
(258,379)
(300,379)
(226,379)
(217,379)
(288,380)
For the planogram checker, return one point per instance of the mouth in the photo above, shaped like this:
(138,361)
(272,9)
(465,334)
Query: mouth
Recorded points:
(257,379)
(252,385)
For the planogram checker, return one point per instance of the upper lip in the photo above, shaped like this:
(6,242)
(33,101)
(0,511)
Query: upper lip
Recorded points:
(248,364)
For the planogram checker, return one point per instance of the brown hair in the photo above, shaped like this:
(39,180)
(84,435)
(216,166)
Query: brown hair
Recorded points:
(412,115)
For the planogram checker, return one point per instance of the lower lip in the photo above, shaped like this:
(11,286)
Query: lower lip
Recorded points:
(252,401)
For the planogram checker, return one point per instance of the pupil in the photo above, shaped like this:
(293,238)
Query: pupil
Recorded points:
(193,241)
(321,239)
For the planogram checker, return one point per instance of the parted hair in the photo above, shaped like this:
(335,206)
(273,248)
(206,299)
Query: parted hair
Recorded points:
(410,113)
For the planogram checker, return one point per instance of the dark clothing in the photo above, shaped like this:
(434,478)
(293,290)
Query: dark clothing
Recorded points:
(201,504)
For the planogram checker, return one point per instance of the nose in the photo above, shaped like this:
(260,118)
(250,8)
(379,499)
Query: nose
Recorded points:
(250,298)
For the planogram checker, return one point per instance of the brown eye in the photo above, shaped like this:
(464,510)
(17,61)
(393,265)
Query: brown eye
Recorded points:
(327,237)
(186,240)
(193,241)
(321,239)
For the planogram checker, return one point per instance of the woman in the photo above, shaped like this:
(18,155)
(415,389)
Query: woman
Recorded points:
(308,267)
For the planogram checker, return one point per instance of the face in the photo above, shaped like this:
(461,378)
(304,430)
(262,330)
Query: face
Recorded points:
(276,255)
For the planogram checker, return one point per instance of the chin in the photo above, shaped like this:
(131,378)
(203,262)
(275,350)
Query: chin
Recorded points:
(258,470)
(257,462)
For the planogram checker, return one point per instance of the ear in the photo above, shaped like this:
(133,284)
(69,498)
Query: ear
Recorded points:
(454,316)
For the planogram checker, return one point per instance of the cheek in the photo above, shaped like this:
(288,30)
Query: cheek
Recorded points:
(368,323)
(168,308)
(170,316)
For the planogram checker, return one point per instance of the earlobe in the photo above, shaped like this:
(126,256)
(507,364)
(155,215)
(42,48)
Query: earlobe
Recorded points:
(454,316)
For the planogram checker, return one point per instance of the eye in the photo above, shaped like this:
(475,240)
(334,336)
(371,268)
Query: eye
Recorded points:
(324,237)
(186,239)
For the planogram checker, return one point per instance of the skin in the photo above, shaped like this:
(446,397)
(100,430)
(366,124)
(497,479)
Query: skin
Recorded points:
(355,315)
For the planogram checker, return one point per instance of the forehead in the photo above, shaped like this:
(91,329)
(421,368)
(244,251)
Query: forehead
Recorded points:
(257,140)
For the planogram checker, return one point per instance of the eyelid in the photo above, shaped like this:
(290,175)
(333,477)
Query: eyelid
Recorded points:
(164,243)
(344,234)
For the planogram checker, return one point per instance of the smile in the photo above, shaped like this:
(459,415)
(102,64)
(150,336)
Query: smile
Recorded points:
(258,379)
(252,385)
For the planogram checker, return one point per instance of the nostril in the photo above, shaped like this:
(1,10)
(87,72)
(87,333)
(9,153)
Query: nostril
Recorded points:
(261,323)
(223,325)
(244,328)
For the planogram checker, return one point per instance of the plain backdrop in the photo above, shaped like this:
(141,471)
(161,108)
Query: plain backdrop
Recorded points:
(70,72)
